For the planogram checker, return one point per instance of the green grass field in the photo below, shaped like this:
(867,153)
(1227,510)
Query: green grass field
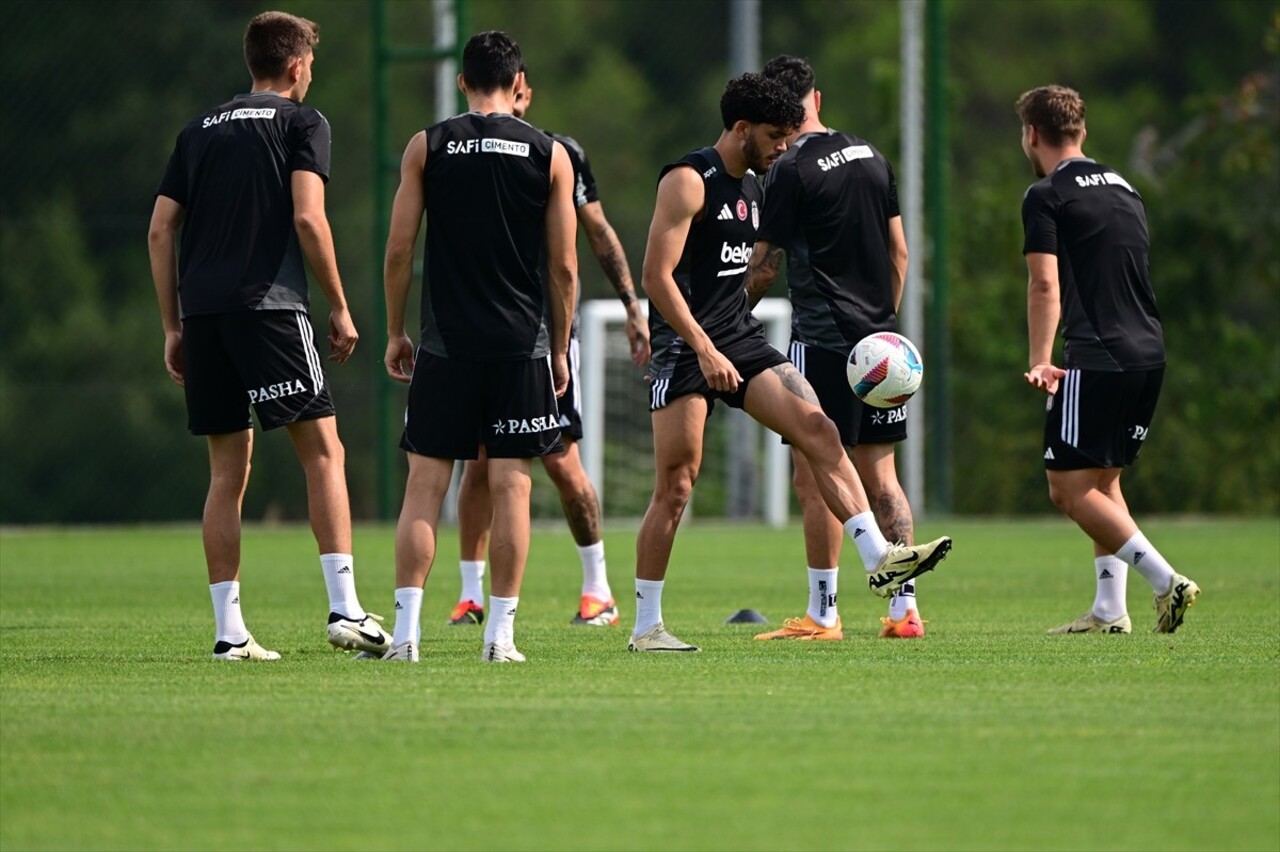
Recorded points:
(118,732)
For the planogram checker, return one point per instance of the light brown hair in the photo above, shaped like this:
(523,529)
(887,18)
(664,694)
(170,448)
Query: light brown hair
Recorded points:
(1056,112)
(273,39)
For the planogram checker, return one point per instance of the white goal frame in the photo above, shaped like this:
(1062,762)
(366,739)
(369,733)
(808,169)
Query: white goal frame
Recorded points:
(594,315)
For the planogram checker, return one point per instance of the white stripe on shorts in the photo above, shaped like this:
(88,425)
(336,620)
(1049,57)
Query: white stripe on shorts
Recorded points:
(309,348)
(658,396)
(575,361)
(797,355)
(1071,408)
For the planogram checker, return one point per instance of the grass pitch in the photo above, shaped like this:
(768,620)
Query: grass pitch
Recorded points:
(118,732)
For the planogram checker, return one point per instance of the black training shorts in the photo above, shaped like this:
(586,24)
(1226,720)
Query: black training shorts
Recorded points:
(750,355)
(858,422)
(1099,419)
(266,360)
(457,404)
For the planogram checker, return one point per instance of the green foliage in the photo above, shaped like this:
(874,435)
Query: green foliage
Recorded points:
(119,732)
(1181,100)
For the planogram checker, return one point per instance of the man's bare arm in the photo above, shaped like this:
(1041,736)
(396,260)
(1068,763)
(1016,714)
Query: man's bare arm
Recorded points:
(762,270)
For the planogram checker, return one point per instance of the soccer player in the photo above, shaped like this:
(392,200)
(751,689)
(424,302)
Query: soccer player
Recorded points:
(831,204)
(1086,248)
(497,194)
(596,607)
(707,346)
(245,186)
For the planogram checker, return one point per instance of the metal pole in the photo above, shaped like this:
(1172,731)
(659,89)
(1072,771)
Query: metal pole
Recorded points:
(910,191)
(937,376)
(381,204)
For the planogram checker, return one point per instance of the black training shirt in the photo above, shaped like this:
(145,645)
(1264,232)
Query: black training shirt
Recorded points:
(231,171)
(828,201)
(1094,222)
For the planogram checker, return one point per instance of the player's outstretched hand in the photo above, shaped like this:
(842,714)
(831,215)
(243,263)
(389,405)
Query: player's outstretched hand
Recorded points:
(719,371)
(173,356)
(1044,377)
(560,372)
(342,335)
(638,338)
(399,358)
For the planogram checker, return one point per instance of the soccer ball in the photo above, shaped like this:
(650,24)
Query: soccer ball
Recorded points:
(884,369)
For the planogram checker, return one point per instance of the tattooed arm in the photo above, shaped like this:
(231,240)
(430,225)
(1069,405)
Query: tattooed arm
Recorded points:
(762,270)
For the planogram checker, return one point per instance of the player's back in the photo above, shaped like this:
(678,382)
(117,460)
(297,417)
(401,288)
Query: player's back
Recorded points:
(487,182)
(1097,222)
(231,171)
(828,202)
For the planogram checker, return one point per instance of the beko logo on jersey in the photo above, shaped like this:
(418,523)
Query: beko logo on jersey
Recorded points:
(276,391)
(845,155)
(526,426)
(239,115)
(1103,179)
(735,254)
(488,146)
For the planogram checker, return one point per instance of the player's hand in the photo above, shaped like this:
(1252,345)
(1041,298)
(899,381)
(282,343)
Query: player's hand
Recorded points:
(719,371)
(342,335)
(1044,377)
(560,372)
(638,337)
(399,358)
(173,356)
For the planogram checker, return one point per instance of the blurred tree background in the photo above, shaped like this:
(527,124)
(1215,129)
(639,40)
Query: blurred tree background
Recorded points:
(1183,96)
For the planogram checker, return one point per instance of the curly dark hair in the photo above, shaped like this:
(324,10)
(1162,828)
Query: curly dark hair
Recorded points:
(791,71)
(759,100)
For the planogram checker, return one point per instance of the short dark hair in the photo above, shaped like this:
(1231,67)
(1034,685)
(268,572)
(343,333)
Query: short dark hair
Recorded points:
(274,39)
(759,100)
(791,71)
(1056,112)
(491,61)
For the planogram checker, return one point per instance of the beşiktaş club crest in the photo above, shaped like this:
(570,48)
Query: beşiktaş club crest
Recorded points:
(755,216)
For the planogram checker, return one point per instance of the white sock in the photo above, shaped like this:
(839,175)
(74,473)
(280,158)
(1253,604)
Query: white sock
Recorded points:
(903,600)
(648,604)
(500,626)
(472,581)
(1148,562)
(595,578)
(866,536)
(340,580)
(408,616)
(228,623)
(822,596)
(1113,582)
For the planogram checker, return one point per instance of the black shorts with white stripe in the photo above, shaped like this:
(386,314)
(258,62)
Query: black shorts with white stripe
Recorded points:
(678,374)
(858,422)
(266,360)
(1099,419)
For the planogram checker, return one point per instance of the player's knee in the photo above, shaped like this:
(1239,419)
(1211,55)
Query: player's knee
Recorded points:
(819,439)
(675,490)
(1063,498)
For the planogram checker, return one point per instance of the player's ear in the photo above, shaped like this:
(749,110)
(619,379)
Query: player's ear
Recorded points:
(462,85)
(817,102)
(294,69)
(742,128)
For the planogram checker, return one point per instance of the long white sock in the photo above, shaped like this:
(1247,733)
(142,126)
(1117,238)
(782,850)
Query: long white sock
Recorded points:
(648,604)
(866,536)
(500,626)
(595,578)
(1113,581)
(822,596)
(903,600)
(228,623)
(408,616)
(472,581)
(340,580)
(1148,562)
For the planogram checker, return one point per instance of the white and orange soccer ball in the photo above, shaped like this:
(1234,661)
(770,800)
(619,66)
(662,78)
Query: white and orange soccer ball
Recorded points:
(884,369)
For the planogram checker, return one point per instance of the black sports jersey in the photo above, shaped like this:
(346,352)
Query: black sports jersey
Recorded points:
(584,182)
(828,201)
(486,183)
(230,170)
(712,269)
(1094,222)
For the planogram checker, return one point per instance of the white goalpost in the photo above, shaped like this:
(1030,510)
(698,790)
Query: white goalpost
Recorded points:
(617,443)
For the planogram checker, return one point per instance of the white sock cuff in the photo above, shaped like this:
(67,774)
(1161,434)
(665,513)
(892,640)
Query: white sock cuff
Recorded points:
(592,550)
